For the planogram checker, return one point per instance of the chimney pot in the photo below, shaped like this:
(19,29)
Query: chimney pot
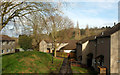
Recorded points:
(114,23)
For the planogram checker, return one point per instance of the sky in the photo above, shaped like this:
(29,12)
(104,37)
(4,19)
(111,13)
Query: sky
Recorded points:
(93,14)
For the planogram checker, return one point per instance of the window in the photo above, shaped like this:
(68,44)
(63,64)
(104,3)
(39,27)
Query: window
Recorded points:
(100,60)
(2,51)
(13,43)
(7,50)
(12,49)
(9,43)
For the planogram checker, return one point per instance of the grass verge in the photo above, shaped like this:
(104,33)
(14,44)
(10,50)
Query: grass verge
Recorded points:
(80,70)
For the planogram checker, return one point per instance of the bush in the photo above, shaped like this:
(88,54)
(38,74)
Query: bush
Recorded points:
(25,42)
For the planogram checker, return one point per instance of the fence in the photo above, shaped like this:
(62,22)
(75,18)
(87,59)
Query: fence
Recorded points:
(61,54)
(72,55)
(75,63)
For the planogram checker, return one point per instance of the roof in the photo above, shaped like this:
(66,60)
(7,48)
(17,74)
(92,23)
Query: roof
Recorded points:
(48,41)
(51,41)
(105,33)
(109,31)
(71,45)
(5,38)
(86,39)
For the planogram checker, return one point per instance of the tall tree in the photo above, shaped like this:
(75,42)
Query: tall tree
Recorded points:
(36,28)
(77,32)
(87,32)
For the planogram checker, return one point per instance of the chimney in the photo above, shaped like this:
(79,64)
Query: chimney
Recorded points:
(114,23)
(102,33)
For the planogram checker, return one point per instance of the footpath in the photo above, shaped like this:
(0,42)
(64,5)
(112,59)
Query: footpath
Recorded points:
(65,68)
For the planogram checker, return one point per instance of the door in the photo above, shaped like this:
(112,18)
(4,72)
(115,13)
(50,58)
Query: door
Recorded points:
(89,59)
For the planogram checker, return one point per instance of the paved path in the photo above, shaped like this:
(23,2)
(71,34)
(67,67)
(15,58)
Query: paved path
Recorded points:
(65,68)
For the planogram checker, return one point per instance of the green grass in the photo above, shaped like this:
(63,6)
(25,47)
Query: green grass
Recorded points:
(81,70)
(30,62)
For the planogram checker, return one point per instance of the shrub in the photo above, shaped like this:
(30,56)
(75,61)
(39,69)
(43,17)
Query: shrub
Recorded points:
(25,42)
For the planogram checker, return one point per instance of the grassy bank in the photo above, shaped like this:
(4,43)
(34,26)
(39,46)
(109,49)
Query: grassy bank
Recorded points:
(30,62)
(81,70)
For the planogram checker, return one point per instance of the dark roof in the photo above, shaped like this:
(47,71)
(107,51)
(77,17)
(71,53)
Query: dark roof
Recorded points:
(71,45)
(110,31)
(6,38)
(86,39)
(105,33)
(50,41)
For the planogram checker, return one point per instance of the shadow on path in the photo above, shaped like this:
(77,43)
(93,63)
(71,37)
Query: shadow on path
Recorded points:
(65,68)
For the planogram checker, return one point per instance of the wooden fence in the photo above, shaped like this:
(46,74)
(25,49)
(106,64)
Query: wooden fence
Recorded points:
(62,54)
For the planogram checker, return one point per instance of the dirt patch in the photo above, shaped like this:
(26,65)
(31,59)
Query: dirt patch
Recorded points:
(58,58)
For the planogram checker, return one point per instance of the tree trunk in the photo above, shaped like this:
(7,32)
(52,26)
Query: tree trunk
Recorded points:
(55,53)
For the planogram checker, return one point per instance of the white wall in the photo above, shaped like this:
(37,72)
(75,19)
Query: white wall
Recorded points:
(68,51)
(84,52)
(43,46)
(62,45)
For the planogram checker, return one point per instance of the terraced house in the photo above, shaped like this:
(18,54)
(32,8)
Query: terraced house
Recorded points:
(86,50)
(102,50)
(7,44)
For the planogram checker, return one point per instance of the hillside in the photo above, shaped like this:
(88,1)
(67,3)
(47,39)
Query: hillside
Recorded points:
(30,62)
(72,32)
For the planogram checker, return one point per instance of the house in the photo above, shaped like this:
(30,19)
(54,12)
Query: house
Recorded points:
(43,46)
(115,51)
(107,53)
(85,50)
(7,44)
(47,45)
(70,47)
(102,50)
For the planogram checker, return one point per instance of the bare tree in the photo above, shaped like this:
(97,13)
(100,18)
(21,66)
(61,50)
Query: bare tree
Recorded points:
(57,23)
(18,10)
(36,27)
